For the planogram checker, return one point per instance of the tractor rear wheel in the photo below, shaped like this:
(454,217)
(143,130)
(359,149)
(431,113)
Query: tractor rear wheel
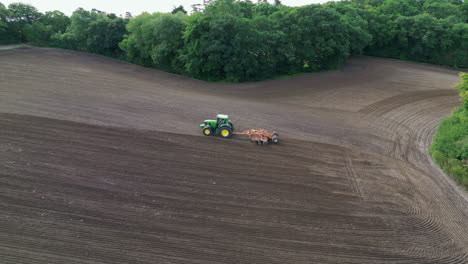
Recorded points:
(225,132)
(207,131)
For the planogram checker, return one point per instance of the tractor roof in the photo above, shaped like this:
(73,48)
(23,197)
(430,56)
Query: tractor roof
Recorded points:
(221,116)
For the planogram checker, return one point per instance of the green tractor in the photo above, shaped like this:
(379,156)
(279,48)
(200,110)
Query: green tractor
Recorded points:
(222,127)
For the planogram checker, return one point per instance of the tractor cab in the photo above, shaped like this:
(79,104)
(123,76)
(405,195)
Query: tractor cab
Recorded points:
(222,126)
(222,119)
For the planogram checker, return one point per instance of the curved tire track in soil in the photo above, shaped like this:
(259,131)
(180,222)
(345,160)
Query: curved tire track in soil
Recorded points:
(102,162)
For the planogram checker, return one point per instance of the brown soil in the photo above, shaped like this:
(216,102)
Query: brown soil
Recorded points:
(103,162)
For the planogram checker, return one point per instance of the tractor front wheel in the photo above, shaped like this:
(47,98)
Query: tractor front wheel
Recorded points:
(225,132)
(207,131)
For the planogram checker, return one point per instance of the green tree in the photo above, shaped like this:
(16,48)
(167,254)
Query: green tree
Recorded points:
(458,55)
(7,36)
(319,37)
(3,18)
(464,10)
(167,41)
(220,44)
(246,9)
(450,147)
(112,16)
(463,89)
(89,31)
(64,40)
(425,38)
(265,9)
(178,9)
(238,40)
(400,7)
(441,8)
(19,16)
(25,13)
(456,2)
(357,25)
(104,36)
(382,29)
(156,40)
(136,44)
(76,35)
(57,20)
(37,33)
(273,48)
(40,32)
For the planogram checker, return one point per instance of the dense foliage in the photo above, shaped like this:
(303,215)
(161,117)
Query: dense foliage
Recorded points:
(93,32)
(84,30)
(450,147)
(156,40)
(240,41)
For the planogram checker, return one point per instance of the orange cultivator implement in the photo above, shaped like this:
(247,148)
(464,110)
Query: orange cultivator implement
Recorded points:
(261,136)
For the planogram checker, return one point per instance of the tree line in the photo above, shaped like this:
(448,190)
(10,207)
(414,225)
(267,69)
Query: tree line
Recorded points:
(450,147)
(89,31)
(242,41)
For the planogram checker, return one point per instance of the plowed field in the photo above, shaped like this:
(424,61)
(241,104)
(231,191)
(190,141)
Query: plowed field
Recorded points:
(103,162)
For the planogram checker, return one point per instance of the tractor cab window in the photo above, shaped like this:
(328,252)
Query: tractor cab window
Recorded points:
(221,121)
